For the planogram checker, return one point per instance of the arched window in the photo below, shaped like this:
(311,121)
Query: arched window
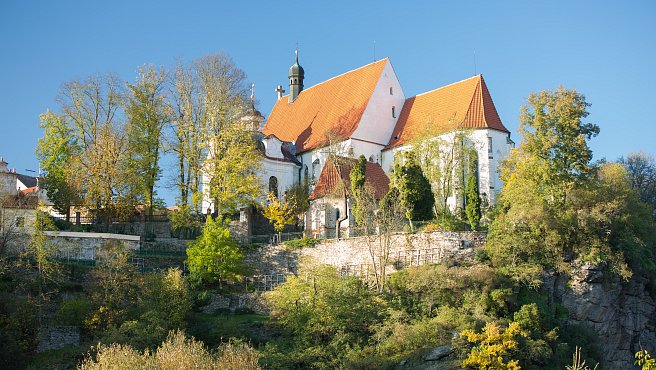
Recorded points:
(273,186)
(371,158)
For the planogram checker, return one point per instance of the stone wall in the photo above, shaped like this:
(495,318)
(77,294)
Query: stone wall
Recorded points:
(405,249)
(83,246)
(56,337)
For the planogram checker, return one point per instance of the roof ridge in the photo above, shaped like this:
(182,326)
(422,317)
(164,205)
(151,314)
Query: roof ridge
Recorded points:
(445,86)
(345,73)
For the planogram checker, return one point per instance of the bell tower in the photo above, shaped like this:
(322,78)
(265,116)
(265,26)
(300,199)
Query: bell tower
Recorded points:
(296,76)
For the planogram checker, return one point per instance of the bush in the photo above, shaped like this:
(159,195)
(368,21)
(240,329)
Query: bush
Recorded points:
(176,352)
(73,311)
(303,242)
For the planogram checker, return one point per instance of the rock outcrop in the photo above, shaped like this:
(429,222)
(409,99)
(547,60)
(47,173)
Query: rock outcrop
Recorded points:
(623,314)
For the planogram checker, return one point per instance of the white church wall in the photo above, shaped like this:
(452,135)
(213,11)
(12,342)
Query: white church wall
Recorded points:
(285,172)
(370,150)
(488,160)
(378,120)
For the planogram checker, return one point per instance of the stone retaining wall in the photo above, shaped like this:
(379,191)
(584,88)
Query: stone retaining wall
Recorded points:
(404,250)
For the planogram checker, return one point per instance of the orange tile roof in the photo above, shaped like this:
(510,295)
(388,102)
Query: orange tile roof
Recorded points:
(329,178)
(466,104)
(334,105)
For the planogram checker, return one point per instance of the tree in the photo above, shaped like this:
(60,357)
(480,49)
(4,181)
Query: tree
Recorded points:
(279,212)
(300,194)
(189,140)
(358,178)
(91,108)
(43,254)
(147,113)
(473,199)
(553,130)
(642,171)
(116,287)
(214,255)
(57,151)
(556,206)
(415,194)
(493,347)
(232,158)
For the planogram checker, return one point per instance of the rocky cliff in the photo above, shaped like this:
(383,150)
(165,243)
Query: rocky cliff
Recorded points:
(623,314)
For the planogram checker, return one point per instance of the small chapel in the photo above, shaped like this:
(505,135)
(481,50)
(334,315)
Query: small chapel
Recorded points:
(365,112)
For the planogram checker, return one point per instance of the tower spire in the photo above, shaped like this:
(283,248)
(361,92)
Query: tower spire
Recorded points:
(296,76)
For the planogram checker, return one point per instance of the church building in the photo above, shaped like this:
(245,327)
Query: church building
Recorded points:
(365,112)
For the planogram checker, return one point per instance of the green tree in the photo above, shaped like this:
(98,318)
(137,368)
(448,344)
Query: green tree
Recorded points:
(147,113)
(358,177)
(415,194)
(56,152)
(215,254)
(473,199)
(556,206)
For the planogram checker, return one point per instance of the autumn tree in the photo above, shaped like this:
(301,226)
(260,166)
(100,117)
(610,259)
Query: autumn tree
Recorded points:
(147,114)
(92,109)
(280,212)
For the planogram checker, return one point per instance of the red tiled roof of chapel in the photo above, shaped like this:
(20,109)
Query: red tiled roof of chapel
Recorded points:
(466,104)
(335,105)
(330,178)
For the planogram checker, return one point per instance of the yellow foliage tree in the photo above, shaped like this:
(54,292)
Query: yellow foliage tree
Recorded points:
(279,212)
(493,347)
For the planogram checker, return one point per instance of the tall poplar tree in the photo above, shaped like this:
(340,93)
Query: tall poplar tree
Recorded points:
(147,113)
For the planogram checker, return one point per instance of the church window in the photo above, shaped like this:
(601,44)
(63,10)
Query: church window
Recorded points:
(393,112)
(273,186)
(391,91)
(371,158)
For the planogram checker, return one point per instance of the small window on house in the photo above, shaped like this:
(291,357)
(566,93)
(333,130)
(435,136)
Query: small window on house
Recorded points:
(393,112)
(273,186)
(20,221)
(371,158)
(489,147)
(391,91)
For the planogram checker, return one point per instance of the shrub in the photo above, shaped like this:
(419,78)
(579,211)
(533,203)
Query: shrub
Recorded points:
(303,242)
(73,311)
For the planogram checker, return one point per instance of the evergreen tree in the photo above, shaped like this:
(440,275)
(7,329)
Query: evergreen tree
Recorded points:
(473,207)
(415,194)
(357,176)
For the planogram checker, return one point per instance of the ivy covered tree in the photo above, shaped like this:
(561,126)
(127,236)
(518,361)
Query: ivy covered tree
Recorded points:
(415,194)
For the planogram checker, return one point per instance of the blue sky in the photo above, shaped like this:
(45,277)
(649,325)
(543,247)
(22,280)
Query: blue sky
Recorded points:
(606,50)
